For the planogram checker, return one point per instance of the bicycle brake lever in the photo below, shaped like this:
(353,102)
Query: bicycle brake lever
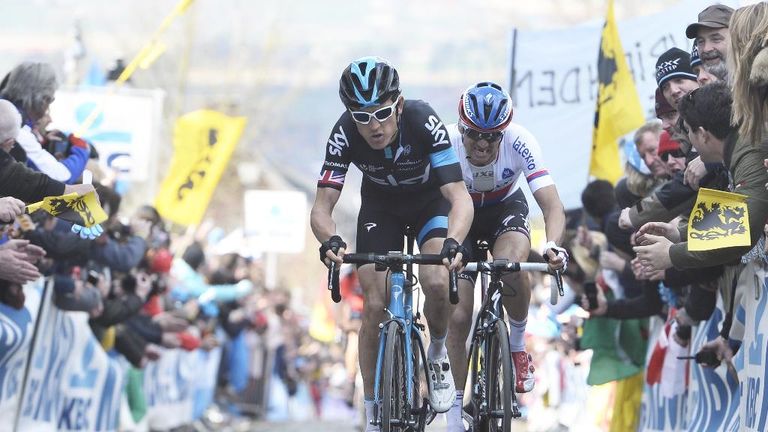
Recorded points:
(559,281)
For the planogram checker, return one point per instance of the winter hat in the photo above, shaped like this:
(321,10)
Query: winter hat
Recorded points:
(695,58)
(715,16)
(667,144)
(662,106)
(674,63)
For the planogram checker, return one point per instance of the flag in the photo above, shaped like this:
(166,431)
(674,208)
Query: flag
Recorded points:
(203,142)
(618,109)
(718,220)
(83,210)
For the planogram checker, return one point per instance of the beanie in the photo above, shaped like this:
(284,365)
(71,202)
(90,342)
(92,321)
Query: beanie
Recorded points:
(667,144)
(695,58)
(662,106)
(674,63)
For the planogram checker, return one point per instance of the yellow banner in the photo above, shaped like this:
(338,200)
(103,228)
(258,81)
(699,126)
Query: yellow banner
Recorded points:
(83,210)
(618,109)
(718,220)
(203,142)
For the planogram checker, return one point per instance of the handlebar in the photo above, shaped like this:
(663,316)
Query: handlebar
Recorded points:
(389,260)
(505,266)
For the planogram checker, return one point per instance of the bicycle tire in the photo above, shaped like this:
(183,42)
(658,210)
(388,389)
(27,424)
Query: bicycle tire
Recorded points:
(420,408)
(393,378)
(500,377)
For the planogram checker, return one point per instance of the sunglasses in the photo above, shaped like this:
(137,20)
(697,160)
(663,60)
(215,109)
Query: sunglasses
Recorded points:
(674,153)
(477,135)
(381,114)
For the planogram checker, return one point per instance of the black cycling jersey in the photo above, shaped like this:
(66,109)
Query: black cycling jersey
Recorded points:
(419,159)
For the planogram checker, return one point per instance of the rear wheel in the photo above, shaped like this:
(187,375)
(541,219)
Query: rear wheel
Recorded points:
(500,378)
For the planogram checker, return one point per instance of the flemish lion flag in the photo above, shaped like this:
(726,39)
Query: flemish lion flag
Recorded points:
(83,210)
(718,220)
(203,142)
(618,110)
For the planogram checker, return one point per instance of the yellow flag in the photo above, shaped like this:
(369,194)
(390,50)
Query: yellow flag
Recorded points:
(718,220)
(83,210)
(618,110)
(203,142)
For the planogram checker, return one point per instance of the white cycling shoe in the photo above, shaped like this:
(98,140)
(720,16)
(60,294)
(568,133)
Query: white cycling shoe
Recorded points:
(442,390)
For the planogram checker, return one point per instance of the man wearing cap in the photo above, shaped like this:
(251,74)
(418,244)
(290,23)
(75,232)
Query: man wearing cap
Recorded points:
(711,33)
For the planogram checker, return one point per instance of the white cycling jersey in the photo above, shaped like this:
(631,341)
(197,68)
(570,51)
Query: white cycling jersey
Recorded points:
(519,153)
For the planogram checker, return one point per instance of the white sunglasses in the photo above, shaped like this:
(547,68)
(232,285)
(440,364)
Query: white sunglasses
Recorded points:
(381,114)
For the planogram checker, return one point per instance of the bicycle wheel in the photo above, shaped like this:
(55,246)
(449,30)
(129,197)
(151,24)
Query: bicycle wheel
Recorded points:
(500,376)
(420,409)
(394,410)
(477,377)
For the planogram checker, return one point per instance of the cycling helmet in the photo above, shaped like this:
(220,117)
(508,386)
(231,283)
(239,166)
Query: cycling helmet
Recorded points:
(367,82)
(485,107)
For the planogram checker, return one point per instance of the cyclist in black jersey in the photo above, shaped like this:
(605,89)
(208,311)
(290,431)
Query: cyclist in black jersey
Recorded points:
(411,177)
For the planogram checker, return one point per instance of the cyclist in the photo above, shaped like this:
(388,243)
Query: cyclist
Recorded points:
(494,153)
(411,176)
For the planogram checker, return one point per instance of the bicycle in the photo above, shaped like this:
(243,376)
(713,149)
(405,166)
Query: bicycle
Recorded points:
(399,405)
(493,402)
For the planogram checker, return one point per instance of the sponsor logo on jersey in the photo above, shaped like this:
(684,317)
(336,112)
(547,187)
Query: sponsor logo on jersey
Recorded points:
(390,180)
(368,226)
(522,149)
(507,173)
(437,129)
(337,142)
(336,164)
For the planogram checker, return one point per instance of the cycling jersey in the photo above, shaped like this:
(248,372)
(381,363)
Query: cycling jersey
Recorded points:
(519,153)
(420,158)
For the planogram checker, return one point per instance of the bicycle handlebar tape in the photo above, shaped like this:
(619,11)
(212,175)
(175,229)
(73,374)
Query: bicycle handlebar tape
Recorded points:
(333,283)
(453,286)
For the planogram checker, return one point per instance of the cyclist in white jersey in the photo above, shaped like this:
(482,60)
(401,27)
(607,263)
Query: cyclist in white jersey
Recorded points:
(494,153)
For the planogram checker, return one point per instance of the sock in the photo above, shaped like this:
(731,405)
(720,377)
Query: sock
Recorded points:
(437,348)
(454,415)
(516,335)
(369,416)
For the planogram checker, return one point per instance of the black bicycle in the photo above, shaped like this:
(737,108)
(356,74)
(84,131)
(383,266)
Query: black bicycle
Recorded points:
(493,401)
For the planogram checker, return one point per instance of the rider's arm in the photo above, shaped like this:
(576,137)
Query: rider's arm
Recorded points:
(321,218)
(554,214)
(461,213)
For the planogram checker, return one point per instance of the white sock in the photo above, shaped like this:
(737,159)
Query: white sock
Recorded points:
(369,404)
(517,334)
(454,415)
(437,348)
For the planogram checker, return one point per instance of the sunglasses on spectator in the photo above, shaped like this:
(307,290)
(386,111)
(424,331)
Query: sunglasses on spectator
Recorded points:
(674,153)
(477,135)
(381,114)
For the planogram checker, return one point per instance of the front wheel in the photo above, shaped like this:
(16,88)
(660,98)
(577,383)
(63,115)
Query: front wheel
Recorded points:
(394,410)
(500,376)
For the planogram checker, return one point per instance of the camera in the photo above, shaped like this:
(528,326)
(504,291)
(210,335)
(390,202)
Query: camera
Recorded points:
(93,277)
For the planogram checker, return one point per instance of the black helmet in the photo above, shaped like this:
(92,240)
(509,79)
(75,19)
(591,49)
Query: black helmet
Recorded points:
(368,81)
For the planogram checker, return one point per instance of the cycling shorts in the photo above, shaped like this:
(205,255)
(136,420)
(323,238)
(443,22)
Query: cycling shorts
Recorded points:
(493,221)
(383,218)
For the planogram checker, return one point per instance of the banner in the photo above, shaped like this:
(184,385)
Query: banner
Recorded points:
(618,109)
(718,220)
(203,143)
(125,132)
(556,83)
(72,384)
(16,328)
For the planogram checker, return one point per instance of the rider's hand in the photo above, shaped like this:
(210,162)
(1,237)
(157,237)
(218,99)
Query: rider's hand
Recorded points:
(332,250)
(454,254)
(555,256)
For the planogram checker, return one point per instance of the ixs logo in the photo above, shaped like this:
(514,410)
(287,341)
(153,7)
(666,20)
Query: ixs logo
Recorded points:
(437,129)
(337,142)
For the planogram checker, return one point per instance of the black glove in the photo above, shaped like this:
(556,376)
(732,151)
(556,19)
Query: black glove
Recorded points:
(451,247)
(332,244)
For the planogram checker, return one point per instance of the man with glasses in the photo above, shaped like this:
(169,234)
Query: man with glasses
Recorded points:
(494,153)
(411,176)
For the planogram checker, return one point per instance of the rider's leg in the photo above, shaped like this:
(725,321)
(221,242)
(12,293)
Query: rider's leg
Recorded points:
(437,311)
(515,246)
(373,283)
